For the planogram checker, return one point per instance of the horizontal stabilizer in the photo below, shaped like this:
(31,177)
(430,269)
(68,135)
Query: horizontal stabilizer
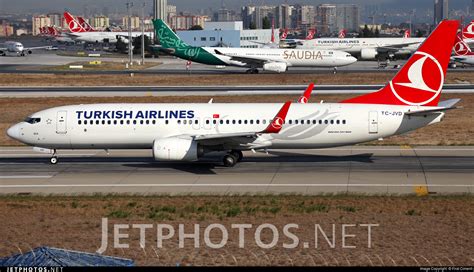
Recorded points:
(442,106)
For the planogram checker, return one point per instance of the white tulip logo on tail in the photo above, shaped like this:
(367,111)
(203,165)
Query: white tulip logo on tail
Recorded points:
(74,26)
(468,32)
(423,82)
(460,49)
(277,123)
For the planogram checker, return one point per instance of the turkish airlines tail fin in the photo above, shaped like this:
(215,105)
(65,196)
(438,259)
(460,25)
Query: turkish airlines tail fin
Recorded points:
(307,94)
(279,119)
(73,25)
(342,34)
(468,31)
(461,48)
(407,34)
(311,34)
(284,34)
(85,24)
(421,79)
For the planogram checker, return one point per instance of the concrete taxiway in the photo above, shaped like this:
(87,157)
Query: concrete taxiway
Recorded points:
(357,169)
(134,91)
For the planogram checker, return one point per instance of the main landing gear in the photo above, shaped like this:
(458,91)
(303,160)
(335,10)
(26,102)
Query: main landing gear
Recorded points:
(252,71)
(231,159)
(54,159)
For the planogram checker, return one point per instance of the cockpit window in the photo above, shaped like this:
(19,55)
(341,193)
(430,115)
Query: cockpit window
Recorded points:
(32,120)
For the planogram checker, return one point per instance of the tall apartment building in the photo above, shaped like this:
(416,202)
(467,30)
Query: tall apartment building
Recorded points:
(441,11)
(101,22)
(160,9)
(347,17)
(135,20)
(38,22)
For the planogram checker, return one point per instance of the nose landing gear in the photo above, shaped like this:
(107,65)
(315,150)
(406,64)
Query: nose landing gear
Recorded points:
(54,159)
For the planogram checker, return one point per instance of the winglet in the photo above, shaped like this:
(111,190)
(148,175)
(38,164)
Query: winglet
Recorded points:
(307,94)
(277,123)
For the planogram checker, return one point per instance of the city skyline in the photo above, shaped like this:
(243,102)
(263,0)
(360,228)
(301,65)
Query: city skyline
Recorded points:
(29,6)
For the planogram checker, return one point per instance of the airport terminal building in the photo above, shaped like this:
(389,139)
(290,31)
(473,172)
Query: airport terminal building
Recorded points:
(227,34)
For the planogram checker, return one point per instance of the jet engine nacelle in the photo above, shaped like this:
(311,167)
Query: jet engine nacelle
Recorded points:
(278,67)
(175,149)
(29,52)
(368,53)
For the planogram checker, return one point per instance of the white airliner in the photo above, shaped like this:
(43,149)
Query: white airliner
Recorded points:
(79,33)
(365,48)
(270,59)
(18,49)
(185,132)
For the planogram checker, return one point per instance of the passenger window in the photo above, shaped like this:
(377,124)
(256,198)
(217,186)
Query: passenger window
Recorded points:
(264,121)
(196,122)
(97,122)
(79,122)
(290,122)
(240,122)
(258,122)
(332,122)
(85,122)
(141,122)
(343,122)
(227,122)
(166,122)
(320,122)
(109,122)
(221,122)
(214,122)
(103,122)
(296,122)
(308,122)
(207,122)
(251,122)
(128,122)
(233,122)
(326,122)
(134,122)
(147,122)
(314,122)
(245,121)
(121,122)
(337,122)
(179,122)
(115,122)
(185,122)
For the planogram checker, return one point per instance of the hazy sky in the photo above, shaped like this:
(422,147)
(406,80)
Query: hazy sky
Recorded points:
(194,5)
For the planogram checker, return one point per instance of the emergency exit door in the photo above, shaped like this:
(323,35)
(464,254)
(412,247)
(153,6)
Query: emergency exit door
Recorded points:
(61,122)
(373,122)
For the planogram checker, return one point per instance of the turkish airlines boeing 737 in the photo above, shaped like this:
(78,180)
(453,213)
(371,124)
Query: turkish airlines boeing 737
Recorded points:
(185,132)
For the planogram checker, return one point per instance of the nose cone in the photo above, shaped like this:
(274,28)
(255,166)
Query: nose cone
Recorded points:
(14,132)
(352,60)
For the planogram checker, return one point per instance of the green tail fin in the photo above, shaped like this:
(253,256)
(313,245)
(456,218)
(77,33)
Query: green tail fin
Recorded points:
(166,36)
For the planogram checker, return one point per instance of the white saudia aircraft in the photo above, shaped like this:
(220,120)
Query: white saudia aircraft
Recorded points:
(185,132)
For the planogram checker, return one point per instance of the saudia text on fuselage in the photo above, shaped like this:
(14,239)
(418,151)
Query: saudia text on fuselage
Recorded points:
(302,55)
(130,114)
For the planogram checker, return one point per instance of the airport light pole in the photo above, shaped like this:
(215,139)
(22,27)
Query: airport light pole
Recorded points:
(143,33)
(130,39)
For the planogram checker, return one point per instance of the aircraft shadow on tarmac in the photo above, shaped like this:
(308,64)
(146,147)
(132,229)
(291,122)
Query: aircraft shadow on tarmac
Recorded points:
(205,166)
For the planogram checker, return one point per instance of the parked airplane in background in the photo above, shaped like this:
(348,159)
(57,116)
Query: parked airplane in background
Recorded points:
(342,34)
(462,52)
(87,27)
(276,60)
(57,35)
(18,49)
(79,33)
(407,34)
(365,48)
(468,33)
(185,132)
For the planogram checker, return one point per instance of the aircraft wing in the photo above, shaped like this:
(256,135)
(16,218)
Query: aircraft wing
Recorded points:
(442,106)
(37,47)
(248,60)
(395,47)
(274,127)
(3,48)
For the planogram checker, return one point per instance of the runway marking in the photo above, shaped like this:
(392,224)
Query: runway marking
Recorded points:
(25,177)
(228,185)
